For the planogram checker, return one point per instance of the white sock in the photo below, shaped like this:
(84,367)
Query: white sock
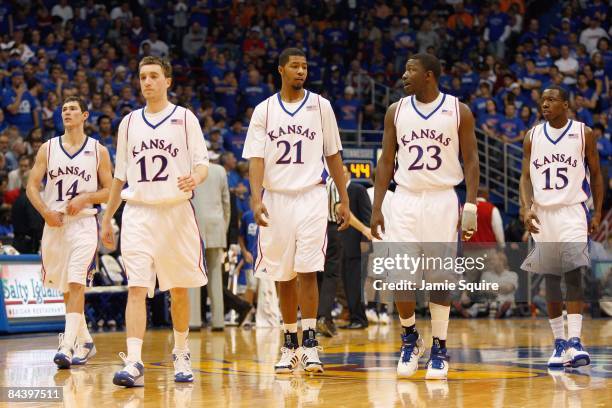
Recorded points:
(439,320)
(73,323)
(411,321)
(574,325)
(180,340)
(309,324)
(290,327)
(558,327)
(134,345)
(84,336)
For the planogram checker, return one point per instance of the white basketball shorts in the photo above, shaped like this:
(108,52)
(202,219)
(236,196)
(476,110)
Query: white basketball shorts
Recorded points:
(562,243)
(295,239)
(69,252)
(162,241)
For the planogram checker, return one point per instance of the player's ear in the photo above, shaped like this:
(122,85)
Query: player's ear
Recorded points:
(280,70)
(85,115)
(169,82)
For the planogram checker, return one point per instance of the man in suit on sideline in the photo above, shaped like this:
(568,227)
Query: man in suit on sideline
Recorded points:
(352,274)
(211,203)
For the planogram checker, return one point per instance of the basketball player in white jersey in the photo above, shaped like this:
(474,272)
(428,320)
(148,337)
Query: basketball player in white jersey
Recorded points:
(77,174)
(162,156)
(554,188)
(425,132)
(289,134)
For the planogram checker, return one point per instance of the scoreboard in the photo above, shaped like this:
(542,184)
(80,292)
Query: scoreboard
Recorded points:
(361,162)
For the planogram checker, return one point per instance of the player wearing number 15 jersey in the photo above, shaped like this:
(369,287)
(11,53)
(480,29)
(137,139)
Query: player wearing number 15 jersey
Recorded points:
(162,156)
(289,135)
(76,171)
(560,167)
(424,134)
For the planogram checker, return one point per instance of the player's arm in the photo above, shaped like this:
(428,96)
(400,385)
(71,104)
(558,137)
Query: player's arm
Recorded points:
(37,173)
(384,171)
(526,188)
(471,170)
(597,185)
(105,179)
(343,212)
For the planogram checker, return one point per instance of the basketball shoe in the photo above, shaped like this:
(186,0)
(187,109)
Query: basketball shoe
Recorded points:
(437,366)
(63,357)
(310,353)
(559,356)
(83,353)
(182,366)
(412,349)
(289,359)
(576,355)
(132,374)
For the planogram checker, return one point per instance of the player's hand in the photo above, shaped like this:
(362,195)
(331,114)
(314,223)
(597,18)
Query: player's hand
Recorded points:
(76,205)
(377,220)
(259,210)
(594,223)
(53,218)
(531,216)
(367,233)
(107,235)
(248,257)
(187,183)
(469,221)
(343,213)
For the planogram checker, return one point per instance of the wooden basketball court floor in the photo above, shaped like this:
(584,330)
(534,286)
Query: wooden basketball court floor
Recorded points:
(494,363)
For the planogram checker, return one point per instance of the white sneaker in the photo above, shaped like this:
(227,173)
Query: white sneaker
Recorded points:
(63,357)
(384,318)
(437,366)
(412,349)
(559,356)
(182,366)
(132,374)
(288,361)
(310,359)
(576,354)
(83,353)
(372,316)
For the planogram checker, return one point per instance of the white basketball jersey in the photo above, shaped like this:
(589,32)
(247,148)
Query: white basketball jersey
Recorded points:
(293,140)
(558,168)
(70,175)
(153,154)
(428,144)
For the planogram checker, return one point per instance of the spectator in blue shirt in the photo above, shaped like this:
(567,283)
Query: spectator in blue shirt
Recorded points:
(604,147)
(563,36)
(334,84)
(255,90)
(533,33)
(348,110)
(497,31)
(479,104)
(20,106)
(583,114)
(510,127)
(490,120)
(405,43)
(247,239)
(226,93)
(233,140)
(543,62)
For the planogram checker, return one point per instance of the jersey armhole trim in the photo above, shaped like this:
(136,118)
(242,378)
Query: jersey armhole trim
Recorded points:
(582,141)
(186,135)
(399,106)
(457,111)
(97,147)
(49,153)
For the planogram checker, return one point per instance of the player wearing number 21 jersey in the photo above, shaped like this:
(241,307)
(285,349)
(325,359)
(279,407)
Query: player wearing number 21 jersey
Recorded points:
(162,156)
(77,175)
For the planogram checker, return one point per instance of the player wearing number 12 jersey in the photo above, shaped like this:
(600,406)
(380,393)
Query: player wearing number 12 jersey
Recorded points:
(162,156)
(76,171)
(560,167)
(424,134)
(289,135)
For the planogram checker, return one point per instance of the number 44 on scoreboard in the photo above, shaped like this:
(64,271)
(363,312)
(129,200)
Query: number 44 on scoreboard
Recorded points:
(360,170)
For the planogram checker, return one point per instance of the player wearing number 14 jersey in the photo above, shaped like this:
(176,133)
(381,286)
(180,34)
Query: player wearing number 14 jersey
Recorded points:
(560,168)
(76,171)
(162,156)
(425,133)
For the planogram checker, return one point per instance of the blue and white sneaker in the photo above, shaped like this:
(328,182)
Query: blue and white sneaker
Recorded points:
(63,357)
(559,356)
(412,349)
(182,367)
(576,355)
(83,353)
(437,366)
(310,356)
(132,374)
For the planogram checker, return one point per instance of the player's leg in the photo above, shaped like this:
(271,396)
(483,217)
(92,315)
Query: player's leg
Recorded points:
(288,300)
(74,314)
(308,299)
(412,344)
(576,354)
(554,306)
(439,308)
(180,322)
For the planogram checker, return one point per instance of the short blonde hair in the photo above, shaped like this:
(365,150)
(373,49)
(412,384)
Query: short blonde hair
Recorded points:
(162,62)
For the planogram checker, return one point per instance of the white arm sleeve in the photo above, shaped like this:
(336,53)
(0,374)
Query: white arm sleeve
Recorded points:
(121,155)
(255,143)
(331,135)
(498,227)
(195,141)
